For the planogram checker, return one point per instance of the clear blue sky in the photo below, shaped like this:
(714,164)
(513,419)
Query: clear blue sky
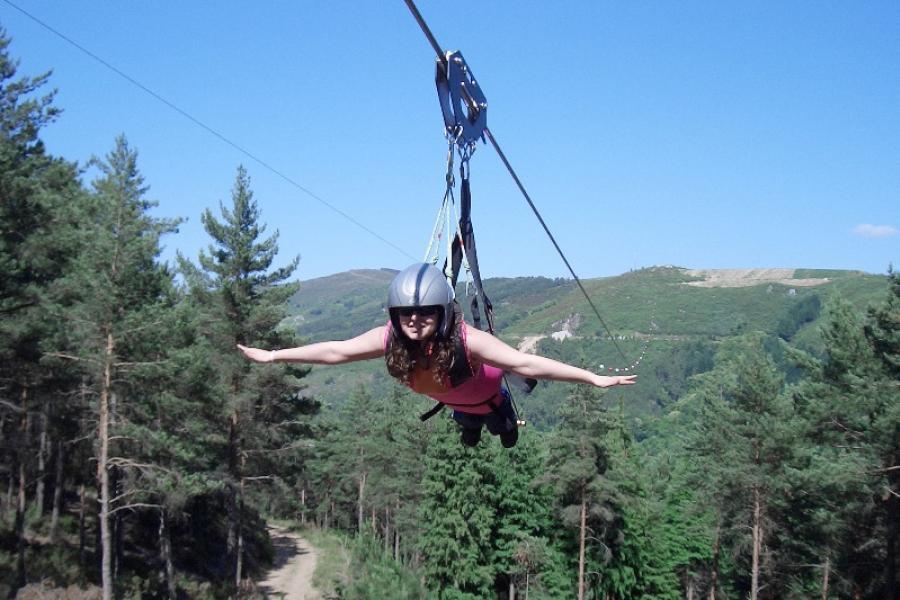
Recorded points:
(698,134)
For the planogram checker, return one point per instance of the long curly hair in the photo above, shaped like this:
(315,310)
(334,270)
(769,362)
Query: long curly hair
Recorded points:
(403,356)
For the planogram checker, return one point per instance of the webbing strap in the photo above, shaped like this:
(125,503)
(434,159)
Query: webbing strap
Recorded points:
(430,413)
(495,407)
(464,248)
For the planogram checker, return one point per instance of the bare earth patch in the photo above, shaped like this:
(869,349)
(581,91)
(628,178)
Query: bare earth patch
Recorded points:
(749,277)
(295,562)
(529,343)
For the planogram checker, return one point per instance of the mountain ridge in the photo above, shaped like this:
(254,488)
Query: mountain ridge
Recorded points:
(657,307)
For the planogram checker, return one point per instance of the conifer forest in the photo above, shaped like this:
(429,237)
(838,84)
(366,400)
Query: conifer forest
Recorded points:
(141,456)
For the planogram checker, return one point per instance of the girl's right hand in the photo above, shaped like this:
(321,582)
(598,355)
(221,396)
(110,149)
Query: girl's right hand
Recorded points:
(257,354)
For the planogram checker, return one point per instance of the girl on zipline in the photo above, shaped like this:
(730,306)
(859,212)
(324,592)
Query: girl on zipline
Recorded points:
(428,347)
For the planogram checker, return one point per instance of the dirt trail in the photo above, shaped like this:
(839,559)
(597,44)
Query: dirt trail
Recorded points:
(295,561)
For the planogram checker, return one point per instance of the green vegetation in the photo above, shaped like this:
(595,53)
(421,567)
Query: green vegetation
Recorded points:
(141,455)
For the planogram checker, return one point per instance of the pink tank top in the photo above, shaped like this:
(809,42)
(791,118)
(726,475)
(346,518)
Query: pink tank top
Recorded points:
(468,397)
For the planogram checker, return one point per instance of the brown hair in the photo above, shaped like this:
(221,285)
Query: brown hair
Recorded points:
(403,355)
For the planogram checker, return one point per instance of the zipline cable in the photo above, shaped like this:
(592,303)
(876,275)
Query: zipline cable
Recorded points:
(443,59)
(206,127)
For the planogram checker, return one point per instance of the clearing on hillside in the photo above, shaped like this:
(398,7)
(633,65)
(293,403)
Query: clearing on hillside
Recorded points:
(749,277)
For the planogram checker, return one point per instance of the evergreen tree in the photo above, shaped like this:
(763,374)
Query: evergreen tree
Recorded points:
(36,223)
(744,442)
(586,498)
(678,525)
(404,470)
(850,405)
(524,513)
(121,297)
(353,454)
(372,573)
(883,334)
(244,300)
(458,515)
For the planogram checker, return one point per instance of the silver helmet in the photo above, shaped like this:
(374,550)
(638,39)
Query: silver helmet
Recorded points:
(422,284)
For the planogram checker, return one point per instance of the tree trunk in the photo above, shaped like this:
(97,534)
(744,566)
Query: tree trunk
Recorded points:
(303,507)
(115,485)
(59,482)
(20,498)
(360,497)
(235,540)
(165,554)
(8,500)
(397,555)
(512,588)
(117,525)
(42,461)
(689,588)
(582,533)
(714,575)
(757,544)
(239,562)
(386,530)
(20,527)
(103,474)
(825,573)
(82,530)
(892,522)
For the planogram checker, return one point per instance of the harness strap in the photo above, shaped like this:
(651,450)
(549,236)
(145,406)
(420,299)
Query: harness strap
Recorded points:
(431,412)
(492,402)
(464,248)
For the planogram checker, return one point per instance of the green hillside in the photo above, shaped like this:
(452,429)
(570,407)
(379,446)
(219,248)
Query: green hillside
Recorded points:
(677,314)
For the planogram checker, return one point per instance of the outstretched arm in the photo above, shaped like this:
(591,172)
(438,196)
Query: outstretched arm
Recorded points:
(362,347)
(492,351)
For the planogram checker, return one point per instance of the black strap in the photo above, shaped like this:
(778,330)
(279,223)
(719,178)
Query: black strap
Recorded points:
(495,407)
(430,413)
(467,245)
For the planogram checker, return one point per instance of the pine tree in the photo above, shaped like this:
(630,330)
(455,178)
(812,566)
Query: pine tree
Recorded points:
(850,406)
(883,334)
(244,300)
(352,454)
(743,442)
(458,515)
(120,298)
(404,472)
(36,220)
(587,499)
(524,513)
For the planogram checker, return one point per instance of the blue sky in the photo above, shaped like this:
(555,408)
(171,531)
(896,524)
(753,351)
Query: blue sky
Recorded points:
(697,134)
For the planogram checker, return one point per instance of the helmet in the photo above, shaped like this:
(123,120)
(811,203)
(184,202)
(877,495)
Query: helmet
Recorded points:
(422,284)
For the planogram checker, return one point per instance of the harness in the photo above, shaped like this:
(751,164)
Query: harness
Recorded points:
(464,109)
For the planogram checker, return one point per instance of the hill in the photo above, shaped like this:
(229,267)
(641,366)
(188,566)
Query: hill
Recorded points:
(677,314)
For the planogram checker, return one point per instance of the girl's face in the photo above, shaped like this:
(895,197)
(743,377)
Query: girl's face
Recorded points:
(418,323)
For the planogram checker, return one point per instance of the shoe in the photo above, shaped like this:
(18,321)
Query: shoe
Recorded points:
(510,437)
(470,437)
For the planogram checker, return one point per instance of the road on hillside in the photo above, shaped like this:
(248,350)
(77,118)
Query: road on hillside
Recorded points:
(295,561)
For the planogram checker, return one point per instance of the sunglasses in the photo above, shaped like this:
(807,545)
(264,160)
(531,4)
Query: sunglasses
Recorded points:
(422,311)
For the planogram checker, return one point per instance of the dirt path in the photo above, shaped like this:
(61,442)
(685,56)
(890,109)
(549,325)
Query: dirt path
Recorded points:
(295,561)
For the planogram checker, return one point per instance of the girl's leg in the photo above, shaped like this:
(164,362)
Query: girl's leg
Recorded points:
(470,427)
(504,418)
(502,422)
